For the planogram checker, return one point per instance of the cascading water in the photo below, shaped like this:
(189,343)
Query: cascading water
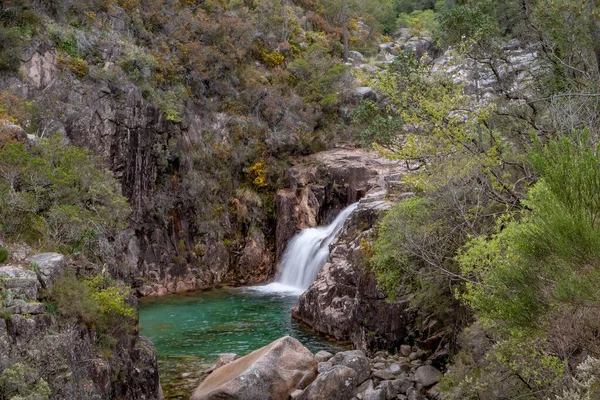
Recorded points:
(305,255)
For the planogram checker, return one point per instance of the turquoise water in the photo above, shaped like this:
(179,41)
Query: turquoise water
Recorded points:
(190,330)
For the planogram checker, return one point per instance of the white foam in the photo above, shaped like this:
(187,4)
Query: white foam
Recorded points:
(277,287)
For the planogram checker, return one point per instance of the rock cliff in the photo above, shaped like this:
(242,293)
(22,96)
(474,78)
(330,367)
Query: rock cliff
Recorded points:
(322,184)
(42,357)
(344,302)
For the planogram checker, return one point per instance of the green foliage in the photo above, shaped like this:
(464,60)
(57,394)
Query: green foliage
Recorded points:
(393,262)
(489,367)
(10,48)
(96,303)
(59,195)
(470,23)
(539,273)
(412,257)
(66,39)
(21,382)
(418,21)
(76,65)
(316,75)
(138,65)
(549,256)
(171,103)
(375,126)
(3,255)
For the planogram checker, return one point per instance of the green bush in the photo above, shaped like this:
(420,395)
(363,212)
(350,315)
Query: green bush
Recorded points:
(10,48)
(534,284)
(58,195)
(22,382)
(3,255)
(418,21)
(95,303)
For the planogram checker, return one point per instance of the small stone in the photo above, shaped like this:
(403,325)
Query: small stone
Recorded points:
(413,356)
(413,394)
(323,356)
(383,375)
(374,394)
(405,350)
(427,375)
(295,394)
(395,387)
(382,354)
(379,365)
(366,385)
(398,368)
(356,360)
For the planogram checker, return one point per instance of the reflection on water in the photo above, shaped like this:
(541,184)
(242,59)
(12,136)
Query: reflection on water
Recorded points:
(190,330)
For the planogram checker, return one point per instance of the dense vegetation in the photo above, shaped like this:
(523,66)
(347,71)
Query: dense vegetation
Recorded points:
(501,240)
(59,197)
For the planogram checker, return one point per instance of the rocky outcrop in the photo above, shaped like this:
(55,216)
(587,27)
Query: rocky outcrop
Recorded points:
(326,182)
(347,375)
(509,75)
(49,267)
(46,359)
(271,372)
(344,301)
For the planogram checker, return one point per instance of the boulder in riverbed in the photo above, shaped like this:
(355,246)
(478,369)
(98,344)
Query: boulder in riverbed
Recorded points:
(338,383)
(356,360)
(272,372)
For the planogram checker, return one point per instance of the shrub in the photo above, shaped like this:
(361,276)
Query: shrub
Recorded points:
(272,59)
(537,277)
(96,303)
(138,65)
(418,22)
(3,255)
(10,49)
(58,195)
(76,65)
(20,381)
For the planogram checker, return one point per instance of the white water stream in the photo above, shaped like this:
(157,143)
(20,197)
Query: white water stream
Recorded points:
(306,253)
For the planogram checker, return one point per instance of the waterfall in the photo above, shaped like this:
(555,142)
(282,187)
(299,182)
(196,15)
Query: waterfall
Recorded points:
(306,253)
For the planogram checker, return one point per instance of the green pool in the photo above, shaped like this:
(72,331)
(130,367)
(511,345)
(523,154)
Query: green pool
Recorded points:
(190,330)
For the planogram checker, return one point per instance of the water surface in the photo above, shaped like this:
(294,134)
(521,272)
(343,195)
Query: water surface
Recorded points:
(191,330)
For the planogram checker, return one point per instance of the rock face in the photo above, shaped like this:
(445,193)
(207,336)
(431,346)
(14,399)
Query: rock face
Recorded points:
(508,75)
(344,301)
(325,183)
(50,267)
(272,372)
(66,358)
